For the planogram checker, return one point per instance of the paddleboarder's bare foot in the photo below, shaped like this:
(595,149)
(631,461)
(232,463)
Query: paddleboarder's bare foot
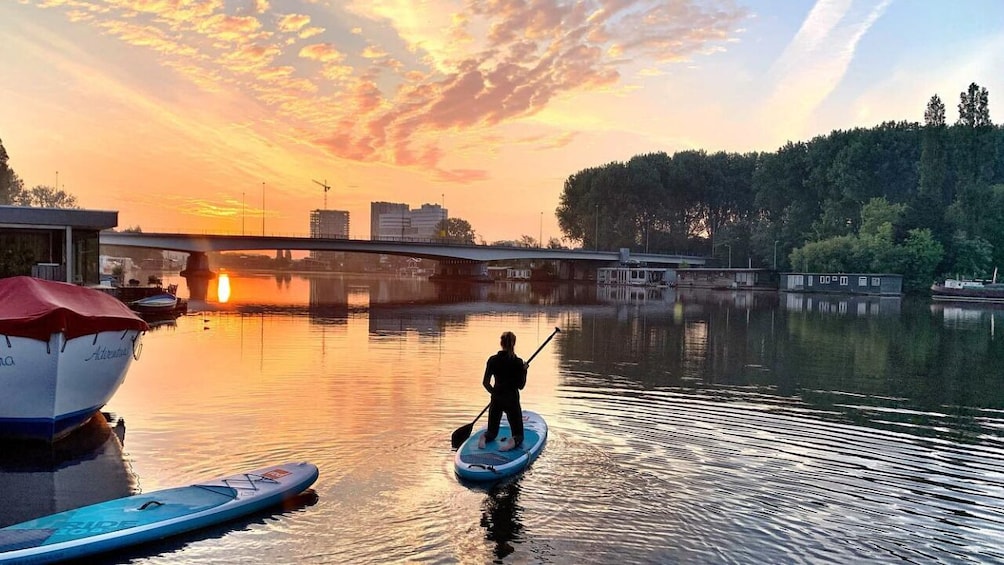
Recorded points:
(481,442)
(506,444)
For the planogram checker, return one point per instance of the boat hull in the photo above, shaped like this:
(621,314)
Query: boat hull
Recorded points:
(53,387)
(973,293)
(158,304)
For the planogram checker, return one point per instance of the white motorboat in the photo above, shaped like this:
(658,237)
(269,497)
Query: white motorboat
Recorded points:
(64,351)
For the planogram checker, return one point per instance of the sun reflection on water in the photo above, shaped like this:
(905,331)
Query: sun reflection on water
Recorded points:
(223,288)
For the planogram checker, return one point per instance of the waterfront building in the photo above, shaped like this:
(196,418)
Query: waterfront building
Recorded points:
(886,284)
(58,244)
(726,278)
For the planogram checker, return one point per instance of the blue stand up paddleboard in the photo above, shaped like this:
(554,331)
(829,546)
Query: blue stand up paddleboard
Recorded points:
(146,517)
(490,464)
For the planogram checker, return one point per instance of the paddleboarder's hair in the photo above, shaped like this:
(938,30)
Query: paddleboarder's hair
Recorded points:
(508,341)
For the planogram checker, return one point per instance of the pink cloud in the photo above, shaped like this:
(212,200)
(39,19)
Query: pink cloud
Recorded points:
(389,98)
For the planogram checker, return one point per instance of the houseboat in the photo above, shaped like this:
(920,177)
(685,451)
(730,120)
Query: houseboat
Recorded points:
(506,273)
(973,291)
(883,284)
(632,276)
(727,278)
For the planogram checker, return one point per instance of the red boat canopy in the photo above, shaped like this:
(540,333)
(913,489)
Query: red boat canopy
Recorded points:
(36,308)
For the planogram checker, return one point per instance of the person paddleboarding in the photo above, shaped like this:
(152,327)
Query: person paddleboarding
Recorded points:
(505,376)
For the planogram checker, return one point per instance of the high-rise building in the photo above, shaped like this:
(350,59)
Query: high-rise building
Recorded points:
(328,224)
(394,221)
(424,221)
(388,220)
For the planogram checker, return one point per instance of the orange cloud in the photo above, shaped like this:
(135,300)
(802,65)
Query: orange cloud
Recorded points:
(293,22)
(388,91)
(324,52)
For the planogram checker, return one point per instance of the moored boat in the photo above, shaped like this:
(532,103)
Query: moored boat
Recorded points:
(64,351)
(954,289)
(163,303)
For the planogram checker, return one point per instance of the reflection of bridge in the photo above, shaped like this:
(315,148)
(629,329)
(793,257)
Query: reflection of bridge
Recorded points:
(454,261)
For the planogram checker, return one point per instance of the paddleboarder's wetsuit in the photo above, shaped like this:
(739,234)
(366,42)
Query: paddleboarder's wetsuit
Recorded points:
(510,376)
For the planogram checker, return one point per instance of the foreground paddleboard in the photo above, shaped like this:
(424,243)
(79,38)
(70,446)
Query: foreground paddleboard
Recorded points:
(146,517)
(490,464)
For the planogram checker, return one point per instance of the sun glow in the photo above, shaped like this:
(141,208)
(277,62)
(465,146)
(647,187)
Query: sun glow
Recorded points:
(223,288)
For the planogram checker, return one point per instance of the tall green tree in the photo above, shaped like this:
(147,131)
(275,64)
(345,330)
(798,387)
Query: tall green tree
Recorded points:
(46,197)
(934,114)
(10,185)
(974,107)
(456,230)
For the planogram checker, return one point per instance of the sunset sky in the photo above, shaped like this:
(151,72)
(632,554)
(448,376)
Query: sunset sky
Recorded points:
(200,115)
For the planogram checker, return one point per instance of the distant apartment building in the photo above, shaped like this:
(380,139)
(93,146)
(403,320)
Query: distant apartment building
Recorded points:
(424,220)
(398,222)
(388,220)
(328,224)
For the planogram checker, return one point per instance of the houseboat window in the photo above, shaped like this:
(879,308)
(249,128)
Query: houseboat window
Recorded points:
(876,281)
(843,281)
(824,280)
(810,277)
(862,281)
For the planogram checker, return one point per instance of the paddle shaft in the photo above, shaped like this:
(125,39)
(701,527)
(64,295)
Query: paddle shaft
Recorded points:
(468,427)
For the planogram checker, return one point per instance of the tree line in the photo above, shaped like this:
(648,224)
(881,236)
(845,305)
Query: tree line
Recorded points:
(14,193)
(921,199)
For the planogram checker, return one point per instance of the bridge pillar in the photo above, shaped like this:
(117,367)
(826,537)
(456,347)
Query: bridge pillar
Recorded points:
(461,270)
(197,275)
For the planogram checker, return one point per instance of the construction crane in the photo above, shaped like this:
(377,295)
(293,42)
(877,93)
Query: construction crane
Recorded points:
(326,189)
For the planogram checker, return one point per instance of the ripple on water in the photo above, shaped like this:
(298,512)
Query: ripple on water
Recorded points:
(739,477)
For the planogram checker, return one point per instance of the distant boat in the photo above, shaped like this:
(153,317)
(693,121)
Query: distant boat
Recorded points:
(981,291)
(163,303)
(64,351)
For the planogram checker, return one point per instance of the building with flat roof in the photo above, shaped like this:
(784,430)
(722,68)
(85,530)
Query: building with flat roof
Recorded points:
(387,220)
(398,222)
(58,244)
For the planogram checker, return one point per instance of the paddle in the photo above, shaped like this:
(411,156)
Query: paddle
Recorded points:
(461,434)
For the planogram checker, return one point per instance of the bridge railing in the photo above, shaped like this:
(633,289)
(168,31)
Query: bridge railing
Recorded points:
(427,241)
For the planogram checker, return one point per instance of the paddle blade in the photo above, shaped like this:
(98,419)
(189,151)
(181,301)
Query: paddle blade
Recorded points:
(461,434)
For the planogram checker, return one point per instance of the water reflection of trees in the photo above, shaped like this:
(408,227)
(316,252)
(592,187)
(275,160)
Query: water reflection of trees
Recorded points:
(883,362)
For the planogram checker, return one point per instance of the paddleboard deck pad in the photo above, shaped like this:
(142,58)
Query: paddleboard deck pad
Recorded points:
(490,464)
(140,518)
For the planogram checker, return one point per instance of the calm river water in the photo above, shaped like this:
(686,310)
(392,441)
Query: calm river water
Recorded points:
(685,426)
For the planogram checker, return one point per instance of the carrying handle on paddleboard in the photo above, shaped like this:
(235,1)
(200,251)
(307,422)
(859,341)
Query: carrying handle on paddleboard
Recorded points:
(461,434)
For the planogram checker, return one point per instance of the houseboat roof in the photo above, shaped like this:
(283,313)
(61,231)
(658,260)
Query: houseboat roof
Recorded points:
(28,217)
(722,269)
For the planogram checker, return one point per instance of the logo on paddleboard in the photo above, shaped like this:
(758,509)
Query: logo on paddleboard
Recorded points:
(276,474)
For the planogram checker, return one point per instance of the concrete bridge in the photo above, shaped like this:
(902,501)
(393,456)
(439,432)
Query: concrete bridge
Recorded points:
(455,261)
